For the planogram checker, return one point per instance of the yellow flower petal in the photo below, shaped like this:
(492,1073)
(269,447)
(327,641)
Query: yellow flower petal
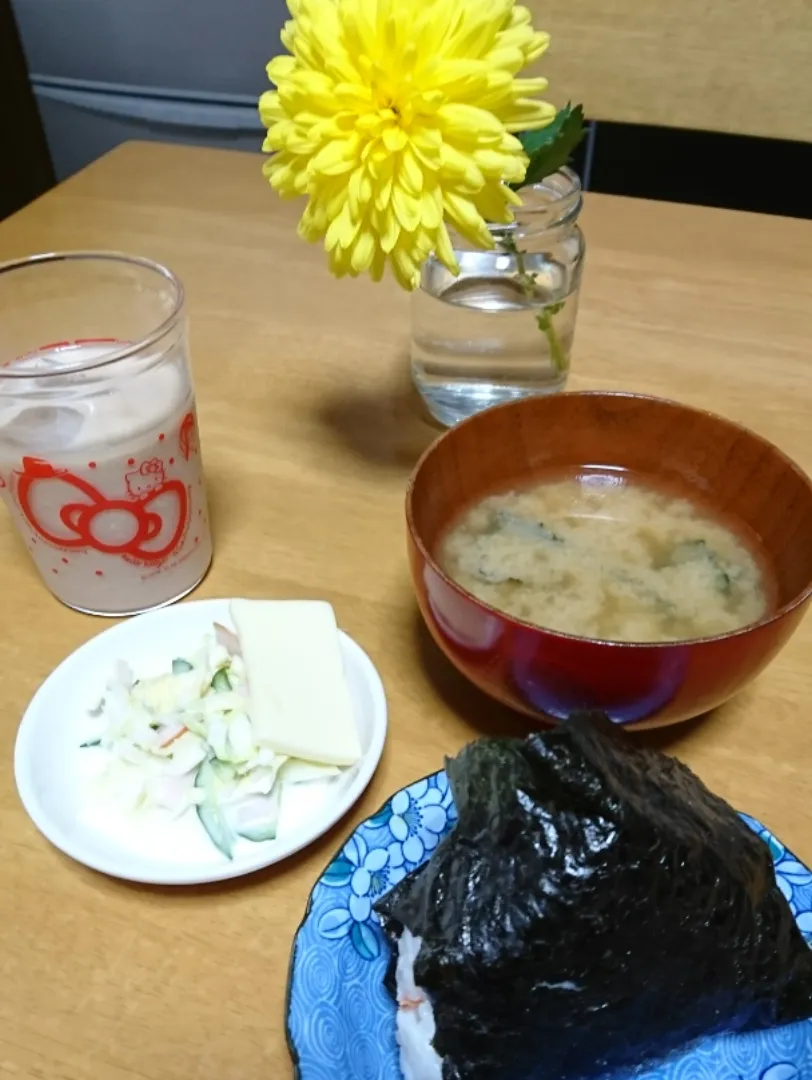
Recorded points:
(390,232)
(378,264)
(308,230)
(498,92)
(525,87)
(410,175)
(445,252)
(460,121)
(461,79)
(406,208)
(426,143)
(509,58)
(338,260)
(431,208)
(428,102)
(359,191)
(405,269)
(460,167)
(520,16)
(509,144)
(317,88)
(536,47)
(394,139)
(464,216)
(526,114)
(270,108)
(491,205)
(280,68)
(335,158)
(363,251)
(353,95)
(341,231)
(496,165)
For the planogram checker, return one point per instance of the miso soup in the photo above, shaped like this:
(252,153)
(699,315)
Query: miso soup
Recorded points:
(605,555)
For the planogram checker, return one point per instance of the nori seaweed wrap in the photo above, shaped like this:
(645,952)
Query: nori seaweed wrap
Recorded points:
(595,907)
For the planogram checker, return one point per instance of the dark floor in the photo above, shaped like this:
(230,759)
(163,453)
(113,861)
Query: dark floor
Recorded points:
(25,167)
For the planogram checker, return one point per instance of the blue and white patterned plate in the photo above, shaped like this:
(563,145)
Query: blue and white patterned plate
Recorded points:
(341,1021)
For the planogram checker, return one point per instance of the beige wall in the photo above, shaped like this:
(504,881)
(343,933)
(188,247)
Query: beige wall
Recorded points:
(722,65)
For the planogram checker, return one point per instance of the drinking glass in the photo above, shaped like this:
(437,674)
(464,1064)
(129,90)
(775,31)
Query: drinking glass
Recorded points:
(100,463)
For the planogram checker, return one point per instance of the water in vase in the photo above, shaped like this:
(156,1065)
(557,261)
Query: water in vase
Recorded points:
(501,330)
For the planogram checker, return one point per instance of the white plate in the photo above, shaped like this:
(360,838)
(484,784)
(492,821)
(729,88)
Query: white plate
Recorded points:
(51,769)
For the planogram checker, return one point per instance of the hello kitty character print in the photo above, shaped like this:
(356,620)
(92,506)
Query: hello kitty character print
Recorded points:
(148,478)
(147,524)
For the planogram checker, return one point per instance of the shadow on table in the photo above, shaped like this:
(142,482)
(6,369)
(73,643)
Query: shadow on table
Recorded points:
(328,846)
(490,718)
(385,426)
(464,699)
(224,502)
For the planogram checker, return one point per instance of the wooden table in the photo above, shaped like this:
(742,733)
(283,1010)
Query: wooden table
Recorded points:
(309,435)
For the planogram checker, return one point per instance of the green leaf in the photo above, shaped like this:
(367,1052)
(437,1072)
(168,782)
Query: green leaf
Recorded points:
(551,148)
(546,136)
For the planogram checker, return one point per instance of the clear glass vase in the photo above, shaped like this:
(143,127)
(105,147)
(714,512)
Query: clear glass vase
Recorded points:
(503,328)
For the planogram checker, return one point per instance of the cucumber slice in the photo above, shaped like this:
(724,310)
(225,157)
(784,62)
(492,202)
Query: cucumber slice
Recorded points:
(180,666)
(210,813)
(212,821)
(223,771)
(221,681)
(90,742)
(259,833)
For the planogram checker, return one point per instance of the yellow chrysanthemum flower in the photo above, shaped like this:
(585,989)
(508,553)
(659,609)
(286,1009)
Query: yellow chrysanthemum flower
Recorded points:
(395,117)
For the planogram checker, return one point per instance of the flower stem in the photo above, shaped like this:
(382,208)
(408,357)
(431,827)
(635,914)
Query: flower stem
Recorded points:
(527,281)
(544,319)
(545,324)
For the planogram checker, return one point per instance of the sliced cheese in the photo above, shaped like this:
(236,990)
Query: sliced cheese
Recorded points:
(300,700)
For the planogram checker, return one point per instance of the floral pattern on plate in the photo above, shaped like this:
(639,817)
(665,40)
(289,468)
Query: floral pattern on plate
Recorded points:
(341,1021)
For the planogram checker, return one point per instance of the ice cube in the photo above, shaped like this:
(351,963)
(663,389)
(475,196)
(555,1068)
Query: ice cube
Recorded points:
(36,428)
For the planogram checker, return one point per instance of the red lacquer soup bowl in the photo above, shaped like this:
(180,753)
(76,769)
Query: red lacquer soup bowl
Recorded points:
(732,471)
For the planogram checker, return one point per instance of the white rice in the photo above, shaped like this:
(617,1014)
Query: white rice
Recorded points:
(415,1017)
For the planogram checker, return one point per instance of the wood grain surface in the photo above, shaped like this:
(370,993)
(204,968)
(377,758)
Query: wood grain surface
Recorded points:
(309,434)
(734,65)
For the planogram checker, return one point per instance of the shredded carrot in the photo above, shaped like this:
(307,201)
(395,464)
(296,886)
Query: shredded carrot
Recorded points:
(174,738)
(410,1003)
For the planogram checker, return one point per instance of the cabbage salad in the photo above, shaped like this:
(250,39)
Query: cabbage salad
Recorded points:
(184,740)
